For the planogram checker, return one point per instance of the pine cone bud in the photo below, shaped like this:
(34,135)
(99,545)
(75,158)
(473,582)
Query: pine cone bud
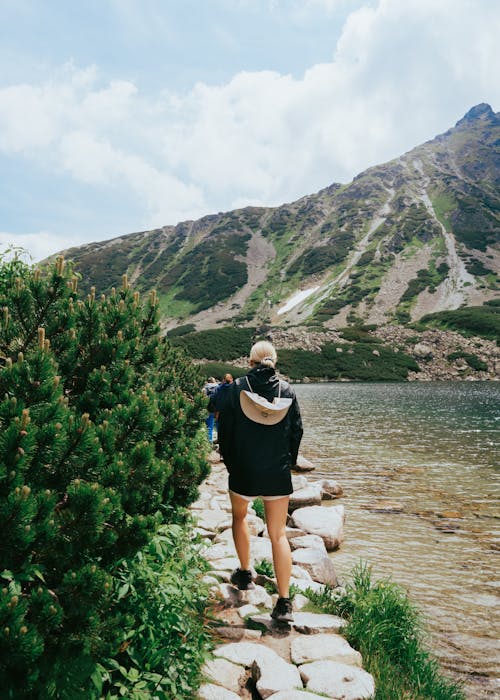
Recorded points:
(6,631)
(46,345)
(23,630)
(20,357)
(93,569)
(41,338)
(125,281)
(27,528)
(6,316)
(52,610)
(26,491)
(59,265)
(13,601)
(8,363)
(37,274)
(74,283)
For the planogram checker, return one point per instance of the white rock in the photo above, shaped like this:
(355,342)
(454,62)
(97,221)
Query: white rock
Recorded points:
(337,680)
(299,572)
(314,623)
(330,489)
(209,691)
(317,563)
(299,602)
(308,541)
(270,671)
(327,522)
(229,594)
(210,580)
(299,482)
(225,673)
(257,596)
(261,548)
(296,695)
(219,551)
(255,524)
(303,465)
(320,647)
(213,519)
(248,609)
(309,496)
(226,564)
(292,532)
(302,584)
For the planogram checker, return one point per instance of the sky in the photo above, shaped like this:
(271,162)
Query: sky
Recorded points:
(126,115)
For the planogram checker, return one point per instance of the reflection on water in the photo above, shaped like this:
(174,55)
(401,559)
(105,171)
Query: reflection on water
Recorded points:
(432,452)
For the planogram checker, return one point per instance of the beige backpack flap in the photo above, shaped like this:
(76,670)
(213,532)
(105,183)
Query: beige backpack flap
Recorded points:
(260,410)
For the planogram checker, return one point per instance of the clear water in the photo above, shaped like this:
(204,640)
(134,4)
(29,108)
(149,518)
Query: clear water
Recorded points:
(431,450)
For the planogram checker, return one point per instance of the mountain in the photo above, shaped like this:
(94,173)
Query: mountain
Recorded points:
(416,235)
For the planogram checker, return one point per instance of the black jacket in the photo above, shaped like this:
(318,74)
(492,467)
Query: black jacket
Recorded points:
(259,457)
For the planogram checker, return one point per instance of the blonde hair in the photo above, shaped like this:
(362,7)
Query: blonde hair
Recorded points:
(263,353)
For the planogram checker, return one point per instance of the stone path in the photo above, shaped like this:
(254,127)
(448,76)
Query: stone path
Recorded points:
(257,657)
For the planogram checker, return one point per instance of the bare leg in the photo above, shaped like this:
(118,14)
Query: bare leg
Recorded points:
(241,535)
(276,512)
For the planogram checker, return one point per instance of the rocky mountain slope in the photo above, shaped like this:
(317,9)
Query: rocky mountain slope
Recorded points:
(416,235)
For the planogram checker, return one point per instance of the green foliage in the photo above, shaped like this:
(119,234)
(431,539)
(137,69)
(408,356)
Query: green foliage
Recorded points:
(387,628)
(472,320)
(472,360)
(321,257)
(426,278)
(211,271)
(359,335)
(354,361)
(168,634)
(181,330)
(100,439)
(219,369)
(258,506)
(226,343)
(265,568)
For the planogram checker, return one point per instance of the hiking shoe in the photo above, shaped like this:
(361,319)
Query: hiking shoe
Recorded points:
(283,610)
(242,578)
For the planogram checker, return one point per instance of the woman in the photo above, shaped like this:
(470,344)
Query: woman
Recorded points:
(258,457)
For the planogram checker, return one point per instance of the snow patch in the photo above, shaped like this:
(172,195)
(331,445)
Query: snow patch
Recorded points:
(296,299)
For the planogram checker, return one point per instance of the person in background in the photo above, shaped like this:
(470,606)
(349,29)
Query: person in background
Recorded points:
(258,455)
(210,390)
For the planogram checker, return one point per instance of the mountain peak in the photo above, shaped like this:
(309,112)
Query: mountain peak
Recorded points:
(480,111)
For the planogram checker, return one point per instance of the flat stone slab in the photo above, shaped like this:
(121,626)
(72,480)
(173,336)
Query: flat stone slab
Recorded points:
(303,584)
(269,670)
(247,610)
(325,521)
(224,673)
(330,489)
(213,520)
(314,623)
(317,563)
(309,542)
(337,680)
(303,465)
(321,647)
(308,496)
(296,695)
(209,691)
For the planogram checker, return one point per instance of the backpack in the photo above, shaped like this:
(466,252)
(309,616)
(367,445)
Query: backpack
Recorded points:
(258,409)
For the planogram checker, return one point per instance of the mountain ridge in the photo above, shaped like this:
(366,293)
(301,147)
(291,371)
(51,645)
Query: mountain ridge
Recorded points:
(418,234)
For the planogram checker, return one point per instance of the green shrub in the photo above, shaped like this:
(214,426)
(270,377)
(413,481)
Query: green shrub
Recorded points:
(265,568)
(258,506)
(355,361)
(226,343)
(101,439)
(387,628)
(181,330)
(472,320)
(219,369)
(472,360)
(168,636)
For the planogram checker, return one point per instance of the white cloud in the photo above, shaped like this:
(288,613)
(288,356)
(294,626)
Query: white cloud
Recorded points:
(38,245)
(399,73)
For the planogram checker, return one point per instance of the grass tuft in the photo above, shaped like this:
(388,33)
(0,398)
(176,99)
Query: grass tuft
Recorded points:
(388,630)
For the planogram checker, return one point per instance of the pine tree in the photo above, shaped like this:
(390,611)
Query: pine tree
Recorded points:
(101,440)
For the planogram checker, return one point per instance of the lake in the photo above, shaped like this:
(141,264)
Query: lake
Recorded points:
(432,451)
